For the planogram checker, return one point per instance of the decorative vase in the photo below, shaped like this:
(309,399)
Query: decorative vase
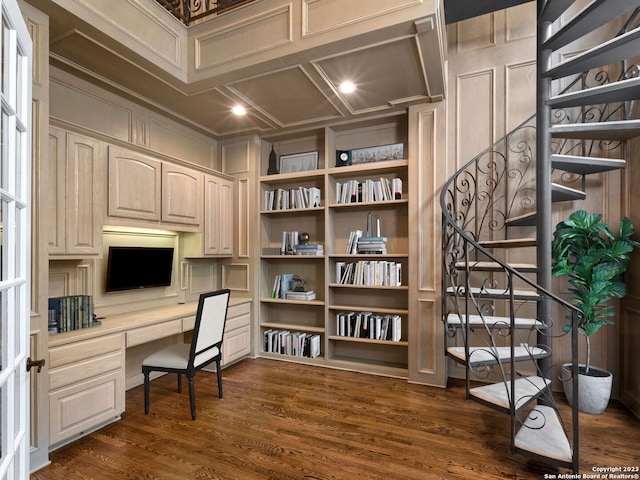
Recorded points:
(594,388)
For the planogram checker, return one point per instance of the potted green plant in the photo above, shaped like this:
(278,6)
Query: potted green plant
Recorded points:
(594,259)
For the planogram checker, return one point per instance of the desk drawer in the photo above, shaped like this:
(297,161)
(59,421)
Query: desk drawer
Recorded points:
(85,370)
(237,322)
(142,335)
(188,323)
(239,310)
(78,351)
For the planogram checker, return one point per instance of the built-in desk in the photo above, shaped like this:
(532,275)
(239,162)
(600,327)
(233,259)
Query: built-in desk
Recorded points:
(87,367)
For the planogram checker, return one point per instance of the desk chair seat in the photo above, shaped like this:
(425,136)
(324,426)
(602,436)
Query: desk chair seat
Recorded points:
(204,349)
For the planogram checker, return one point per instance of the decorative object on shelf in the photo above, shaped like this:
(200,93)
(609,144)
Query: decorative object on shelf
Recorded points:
(343,158)
(304,238)
(299,162)
(273,167)
(381,153)
(299,283)
(589,253)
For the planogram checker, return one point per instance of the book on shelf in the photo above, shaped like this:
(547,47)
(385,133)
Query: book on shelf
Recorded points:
(294,295)
(380,190)
(352,242)
(292,198)
(309,249)
(369,326)
(371,245)
(298,344)
(72,312)
(281,285)
(370,272)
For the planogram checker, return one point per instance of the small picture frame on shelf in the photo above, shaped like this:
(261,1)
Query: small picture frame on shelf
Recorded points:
(381,153)
(299,162)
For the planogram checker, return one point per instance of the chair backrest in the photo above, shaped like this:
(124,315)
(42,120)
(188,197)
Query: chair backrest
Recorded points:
(209,328)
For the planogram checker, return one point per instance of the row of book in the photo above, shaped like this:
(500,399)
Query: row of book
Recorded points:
(69,313)
(368,325)
(365,245)
(298,344)
(291,198)
(369,272)
(382,190)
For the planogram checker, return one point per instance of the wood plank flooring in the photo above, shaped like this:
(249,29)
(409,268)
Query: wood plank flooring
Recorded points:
(281,420)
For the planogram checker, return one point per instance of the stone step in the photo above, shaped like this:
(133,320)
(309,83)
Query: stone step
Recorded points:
(496,293)
(492,321)
(498,395)
(542,437)
(509,243)
(485,266)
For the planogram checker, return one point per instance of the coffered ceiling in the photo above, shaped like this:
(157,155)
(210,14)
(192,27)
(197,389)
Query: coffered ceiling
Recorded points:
(395,64)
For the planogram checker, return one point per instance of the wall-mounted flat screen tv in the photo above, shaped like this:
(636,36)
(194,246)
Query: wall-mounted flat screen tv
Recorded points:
(132,268)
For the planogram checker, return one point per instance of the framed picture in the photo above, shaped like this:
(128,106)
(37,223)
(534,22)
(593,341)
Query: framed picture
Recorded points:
(299,162)
(381,153)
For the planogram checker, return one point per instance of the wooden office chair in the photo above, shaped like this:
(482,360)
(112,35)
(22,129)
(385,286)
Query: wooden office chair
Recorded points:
(205,348)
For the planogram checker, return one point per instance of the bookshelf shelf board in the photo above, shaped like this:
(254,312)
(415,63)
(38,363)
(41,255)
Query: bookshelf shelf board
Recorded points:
(368,205)
(292,257)
(280,178)
(385,311)
(371,256)
(292,326)
(376,367)
(293,211)
(373,287)
(315,303)
(290,358)
(368,168)
(367,340)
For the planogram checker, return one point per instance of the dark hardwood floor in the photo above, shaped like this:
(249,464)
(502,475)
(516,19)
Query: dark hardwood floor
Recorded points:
(281,420)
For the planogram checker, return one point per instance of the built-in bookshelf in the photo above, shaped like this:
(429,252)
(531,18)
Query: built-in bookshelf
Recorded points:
(370,197)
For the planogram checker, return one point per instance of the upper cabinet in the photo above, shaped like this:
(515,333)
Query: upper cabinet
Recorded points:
(75,194)
(146,189)
(216,237)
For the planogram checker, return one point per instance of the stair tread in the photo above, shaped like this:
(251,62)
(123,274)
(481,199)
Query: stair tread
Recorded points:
(617,130)
(454,319)
(499,293)
(562,193)
(621,91)
(617,49)
(526,220)
(497,394)
(586,165)
(486,266)
(481,356)
(552,10)
(509,243)
(543,436)
(596,14)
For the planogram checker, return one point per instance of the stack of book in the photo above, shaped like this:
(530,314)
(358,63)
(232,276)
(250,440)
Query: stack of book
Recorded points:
(368,325)
(298,344)
(295,295)
(71,313)
(369,272)
(309,249)
(371,245)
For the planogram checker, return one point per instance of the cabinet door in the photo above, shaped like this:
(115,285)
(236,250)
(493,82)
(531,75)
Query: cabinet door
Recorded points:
(85,196)
(226,217)
(55,208)
(181,195)
(212,212)
(134,185)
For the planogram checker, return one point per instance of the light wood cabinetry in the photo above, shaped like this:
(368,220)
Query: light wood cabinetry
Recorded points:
(330,224)
(216,235)
(237,335)
(75,194)
(86,386)
(147,189)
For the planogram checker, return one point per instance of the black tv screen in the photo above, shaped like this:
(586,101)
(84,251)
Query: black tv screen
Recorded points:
(131,268)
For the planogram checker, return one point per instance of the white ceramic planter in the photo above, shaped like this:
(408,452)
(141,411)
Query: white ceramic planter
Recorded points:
(594,388)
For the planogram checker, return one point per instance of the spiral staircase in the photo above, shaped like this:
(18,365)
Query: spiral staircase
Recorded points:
(501,320)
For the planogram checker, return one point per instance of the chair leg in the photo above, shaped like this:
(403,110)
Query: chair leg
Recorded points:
(219,374)
(192,397)
(179,383)
(146,392)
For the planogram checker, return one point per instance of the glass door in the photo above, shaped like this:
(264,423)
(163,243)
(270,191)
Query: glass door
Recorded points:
(15,245)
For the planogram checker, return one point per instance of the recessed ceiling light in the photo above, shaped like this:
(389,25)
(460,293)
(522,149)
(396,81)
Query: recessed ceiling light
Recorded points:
(239,110)
(347,87)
